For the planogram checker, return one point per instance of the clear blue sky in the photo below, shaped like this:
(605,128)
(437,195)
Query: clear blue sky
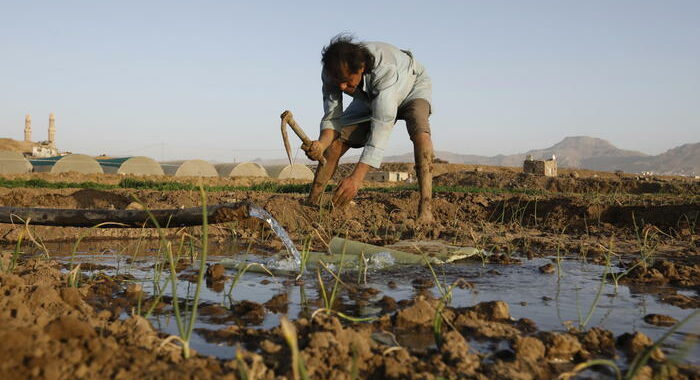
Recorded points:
(208,79)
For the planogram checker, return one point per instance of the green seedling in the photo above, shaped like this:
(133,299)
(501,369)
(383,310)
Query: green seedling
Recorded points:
(354,368)
(202,269)
(329,300)
(15,255)
(304,256)
(243,369)
(73,270)
(74,277)
(584,321)
(342,315)
(185,331)
(28,231)
(445,300)
(289,332)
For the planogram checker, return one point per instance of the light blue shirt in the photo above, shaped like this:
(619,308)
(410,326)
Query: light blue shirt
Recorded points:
(395,79)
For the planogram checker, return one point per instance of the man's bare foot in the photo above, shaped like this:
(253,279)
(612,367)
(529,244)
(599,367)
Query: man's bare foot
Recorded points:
(425,214)
(315,201)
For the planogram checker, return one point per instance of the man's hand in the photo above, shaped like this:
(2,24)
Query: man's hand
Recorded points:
(314,150)
(348,187)
(346,191)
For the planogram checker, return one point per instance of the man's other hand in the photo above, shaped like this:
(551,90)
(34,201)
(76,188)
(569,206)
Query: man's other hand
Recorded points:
(346,191)
(314,150)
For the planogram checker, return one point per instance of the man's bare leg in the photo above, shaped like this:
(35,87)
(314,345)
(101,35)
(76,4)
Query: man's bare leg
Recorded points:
(423,156)
(324,172)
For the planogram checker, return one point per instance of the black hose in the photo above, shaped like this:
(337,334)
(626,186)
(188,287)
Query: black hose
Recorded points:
(179,217)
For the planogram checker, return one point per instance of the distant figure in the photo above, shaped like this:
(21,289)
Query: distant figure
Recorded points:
(386,84)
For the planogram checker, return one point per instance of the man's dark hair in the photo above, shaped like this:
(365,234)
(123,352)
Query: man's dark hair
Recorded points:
(342,50)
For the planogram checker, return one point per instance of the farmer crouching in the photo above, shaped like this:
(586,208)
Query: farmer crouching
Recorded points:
(387,84)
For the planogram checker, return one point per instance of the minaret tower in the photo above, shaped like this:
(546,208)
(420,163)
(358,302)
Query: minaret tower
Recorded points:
(28,128)
(52,129)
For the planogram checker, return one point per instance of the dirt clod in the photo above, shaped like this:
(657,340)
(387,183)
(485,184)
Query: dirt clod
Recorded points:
(215,272)
(635,343)
(278,303)
(420,314)
(660,320)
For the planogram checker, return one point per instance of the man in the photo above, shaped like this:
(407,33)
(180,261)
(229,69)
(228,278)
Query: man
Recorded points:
(386,84)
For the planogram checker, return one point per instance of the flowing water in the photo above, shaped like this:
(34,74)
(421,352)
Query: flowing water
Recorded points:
(262,214)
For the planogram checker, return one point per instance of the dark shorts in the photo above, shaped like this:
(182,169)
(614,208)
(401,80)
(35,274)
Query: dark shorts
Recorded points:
(415,113)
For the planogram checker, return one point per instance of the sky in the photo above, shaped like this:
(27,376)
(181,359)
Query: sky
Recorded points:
(209,79)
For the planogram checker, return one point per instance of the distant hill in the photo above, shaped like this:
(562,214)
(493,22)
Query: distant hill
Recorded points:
(682,160)
(588,153)
(15,146)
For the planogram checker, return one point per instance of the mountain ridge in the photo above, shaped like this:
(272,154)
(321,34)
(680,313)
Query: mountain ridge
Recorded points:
(585,152)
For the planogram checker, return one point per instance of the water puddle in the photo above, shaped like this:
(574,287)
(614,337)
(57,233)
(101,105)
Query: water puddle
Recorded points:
(551,301)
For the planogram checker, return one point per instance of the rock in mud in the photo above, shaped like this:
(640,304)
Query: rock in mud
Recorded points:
(398,365)
(488,320)
(388,304)
(529,348)
(526,325)
(492,311)
(599,340)
(270,347)
(455,352)
(134,290)
(521,369)
(278,303)
(547,268)
(134,206)
(249,312)
(682,301)
(634,344)
(328,353)
(215,272)
(660,320)
(213,310)
(561,346)
(227,334)
(420,314)
(485,329)
(423,283)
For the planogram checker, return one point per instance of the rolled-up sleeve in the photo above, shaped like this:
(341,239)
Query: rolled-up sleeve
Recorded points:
(384,109)
(332,105)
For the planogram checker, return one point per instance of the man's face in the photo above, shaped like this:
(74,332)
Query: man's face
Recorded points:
(349,81)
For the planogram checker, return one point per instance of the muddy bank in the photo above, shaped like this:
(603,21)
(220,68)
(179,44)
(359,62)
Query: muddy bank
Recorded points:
(505,222)
(571,182)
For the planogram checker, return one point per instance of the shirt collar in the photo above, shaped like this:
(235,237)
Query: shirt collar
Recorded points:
(365,82)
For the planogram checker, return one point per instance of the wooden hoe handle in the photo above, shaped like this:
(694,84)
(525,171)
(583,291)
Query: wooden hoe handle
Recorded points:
(288,119)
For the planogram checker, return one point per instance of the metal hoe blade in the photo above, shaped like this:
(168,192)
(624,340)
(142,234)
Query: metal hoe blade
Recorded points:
(285,138)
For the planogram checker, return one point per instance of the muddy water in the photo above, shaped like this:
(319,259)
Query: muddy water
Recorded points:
(552,301)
